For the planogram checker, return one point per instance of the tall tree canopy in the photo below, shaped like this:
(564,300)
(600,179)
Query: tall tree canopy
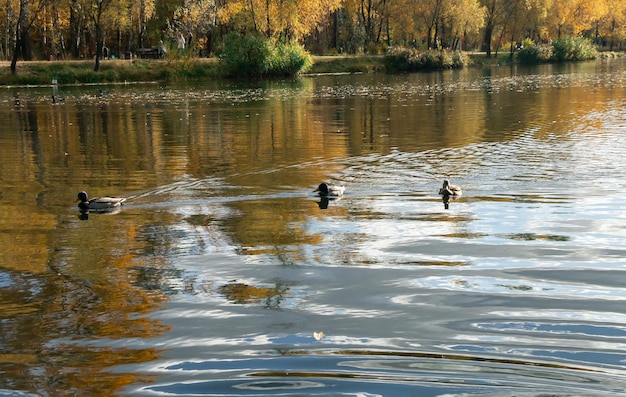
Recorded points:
(74,29)
(284,19)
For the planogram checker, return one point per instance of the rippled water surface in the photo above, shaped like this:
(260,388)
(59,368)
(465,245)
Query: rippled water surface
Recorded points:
(224,275)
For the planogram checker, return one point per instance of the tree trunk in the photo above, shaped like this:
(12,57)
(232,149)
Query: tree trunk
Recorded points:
(19,38)
(27,53)
(489,27)
(142,22)
(487,40)
(118,52)
(612,34)
(97,22)
(74,43)
(15,55)
(99,45)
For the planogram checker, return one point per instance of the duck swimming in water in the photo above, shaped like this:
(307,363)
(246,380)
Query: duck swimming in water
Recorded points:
(57,99)
(98,203)
(326,190)
(449,189)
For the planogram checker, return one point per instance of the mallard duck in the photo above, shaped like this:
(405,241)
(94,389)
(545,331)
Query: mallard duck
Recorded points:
(98,203)
(326,190)
(450,190)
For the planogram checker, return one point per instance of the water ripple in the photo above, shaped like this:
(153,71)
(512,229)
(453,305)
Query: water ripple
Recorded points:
(372,373)
(518,286)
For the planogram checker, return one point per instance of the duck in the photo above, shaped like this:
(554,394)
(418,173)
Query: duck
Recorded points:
(326,190)
(449,189)
(98,203)
(58,99)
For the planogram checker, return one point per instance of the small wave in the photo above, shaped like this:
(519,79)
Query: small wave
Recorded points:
(383,373)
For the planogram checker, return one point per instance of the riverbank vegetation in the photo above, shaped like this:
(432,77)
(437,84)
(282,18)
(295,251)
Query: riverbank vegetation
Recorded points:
(279,35)
(559,50)
(111,71)
(412,60)
(257,56)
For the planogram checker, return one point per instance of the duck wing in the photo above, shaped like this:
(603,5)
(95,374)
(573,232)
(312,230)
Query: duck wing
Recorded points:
(100,203)
(336,190)
(456,190)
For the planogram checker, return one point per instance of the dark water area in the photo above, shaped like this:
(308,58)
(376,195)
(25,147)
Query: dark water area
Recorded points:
(224,275)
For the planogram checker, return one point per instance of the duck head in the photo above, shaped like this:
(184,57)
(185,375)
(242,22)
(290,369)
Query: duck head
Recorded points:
(82,197)
(83,201)
(322,188)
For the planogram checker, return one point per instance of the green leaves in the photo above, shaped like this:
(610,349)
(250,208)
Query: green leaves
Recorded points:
(559,50)
(255,56)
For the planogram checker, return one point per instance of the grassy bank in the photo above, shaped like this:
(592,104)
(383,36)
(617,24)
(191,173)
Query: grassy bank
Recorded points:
(119,71)
(179,69)
(348,64)
(111,71)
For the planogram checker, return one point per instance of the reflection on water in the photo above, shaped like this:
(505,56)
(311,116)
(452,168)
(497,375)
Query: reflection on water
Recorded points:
(223,270)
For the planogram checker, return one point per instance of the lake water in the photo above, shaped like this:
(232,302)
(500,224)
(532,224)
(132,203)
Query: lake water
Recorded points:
(224,275)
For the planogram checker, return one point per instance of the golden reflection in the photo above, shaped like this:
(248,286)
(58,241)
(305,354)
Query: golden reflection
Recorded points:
(25,228)
(243,293)
(273,223)
(17,358)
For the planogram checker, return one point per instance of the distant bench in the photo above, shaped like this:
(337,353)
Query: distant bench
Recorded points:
(148,53)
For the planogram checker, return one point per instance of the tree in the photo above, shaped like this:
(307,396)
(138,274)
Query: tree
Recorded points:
(613,24)
(76,23)
(278,19)
(500,16)
(433,15)
(492,8)
(99,8)
(573,17)
(103,14)
(25,20)
(195,18)
(466,17)
(372,15)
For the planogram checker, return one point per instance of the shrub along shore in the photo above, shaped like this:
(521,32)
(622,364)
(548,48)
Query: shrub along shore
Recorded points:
(149,70)
(183,68)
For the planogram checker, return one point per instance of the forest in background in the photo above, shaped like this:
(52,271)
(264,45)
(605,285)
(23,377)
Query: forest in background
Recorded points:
(94,29)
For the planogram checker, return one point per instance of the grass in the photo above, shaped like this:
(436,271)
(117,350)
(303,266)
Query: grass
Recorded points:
(185,68)
(347,64)
(111,71)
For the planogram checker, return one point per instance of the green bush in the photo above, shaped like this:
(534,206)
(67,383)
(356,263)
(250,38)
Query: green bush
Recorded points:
(560,50)
(287,60)
(412,60)
(399,59)
(573,49)
(244,55)
(255,56)
(534,54)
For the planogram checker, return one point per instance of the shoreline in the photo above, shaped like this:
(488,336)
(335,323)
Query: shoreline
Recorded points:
(142,71)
